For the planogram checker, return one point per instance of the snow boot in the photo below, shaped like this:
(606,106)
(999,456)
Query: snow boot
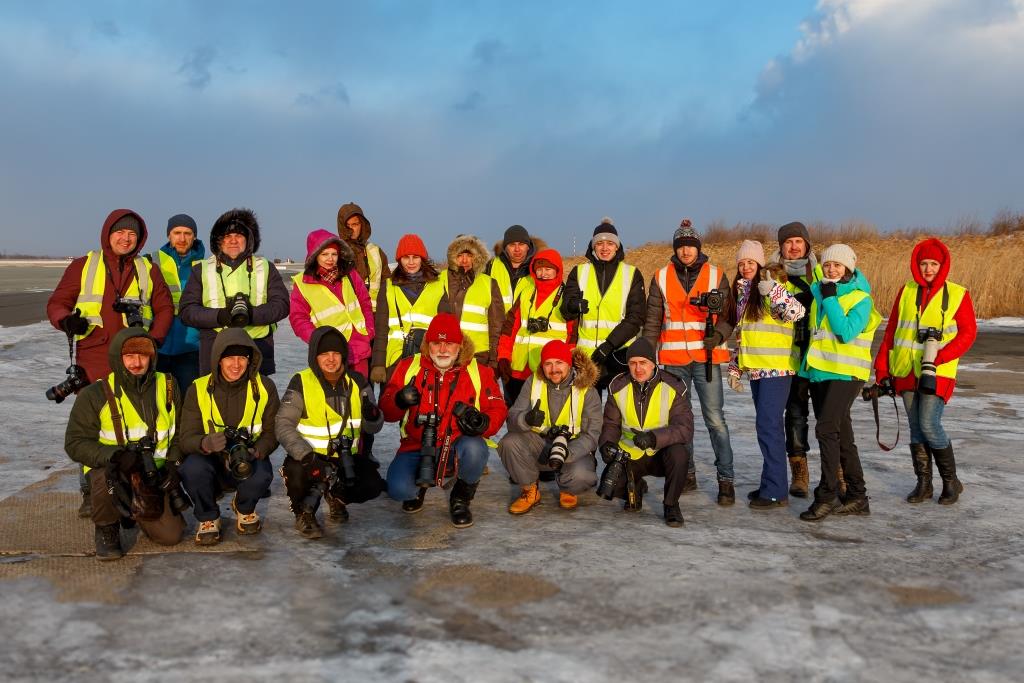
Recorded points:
(921,456)
(336,509)
(726,492)
(946,464)
(108,542)
(800,484)
(414,505)
(529,496)
(208,533)
(673,516)
(458,503)
(307,526)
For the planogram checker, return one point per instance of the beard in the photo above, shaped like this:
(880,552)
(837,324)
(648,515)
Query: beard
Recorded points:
(442,362)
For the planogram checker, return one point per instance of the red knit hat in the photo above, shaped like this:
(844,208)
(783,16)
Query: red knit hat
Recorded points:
(930,250)
(411,245)
(556,349)
(444,327)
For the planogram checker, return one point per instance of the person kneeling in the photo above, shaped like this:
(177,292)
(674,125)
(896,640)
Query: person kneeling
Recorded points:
(447,404)
(325,415)
(647,421)
(227,429)
(554,426)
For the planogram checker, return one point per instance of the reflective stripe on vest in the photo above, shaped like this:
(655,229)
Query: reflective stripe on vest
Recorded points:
(169,269)
(472,369)
(528,345)
(767,345)
(826,352)
(570,415)
(321,423)
(473,316)
(504,279)
(94,283)
(217,293)
(326,310)
(252,416)
(403,316)
(657,415)
(606,310)
(683,324)
(905,355)
(375,264)
(134,426)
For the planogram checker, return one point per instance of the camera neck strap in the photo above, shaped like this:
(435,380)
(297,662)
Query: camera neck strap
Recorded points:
(347,389)
(554,302)
(920,298)
(115,413)
(878,428)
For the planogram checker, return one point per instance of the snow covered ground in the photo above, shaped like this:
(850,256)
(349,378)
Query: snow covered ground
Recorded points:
(909,593)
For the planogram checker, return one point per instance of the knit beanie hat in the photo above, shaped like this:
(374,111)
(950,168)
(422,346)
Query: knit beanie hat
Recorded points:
(794,229)
(127,222)
(181,220)
(237,350)
(641,348)
(142,345)
(556,349)
(930,250)
(841,253)
(685,235)
(444,327)
(333,341)
(411,245)
(606,231)
(516,233)
(751,250)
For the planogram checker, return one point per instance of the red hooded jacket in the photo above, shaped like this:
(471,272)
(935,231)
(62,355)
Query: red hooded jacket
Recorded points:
(967,325)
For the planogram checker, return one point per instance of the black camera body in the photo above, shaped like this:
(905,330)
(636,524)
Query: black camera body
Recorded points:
(132,311)
(76,379)
(929,333)
(537,325)
(875,391)
(469,420)
(555,455)
(413,342)
(321,484)
(428,449)
(930,337)
(236,453)
(713,300)
(241,311)
(614,474)
(342,447)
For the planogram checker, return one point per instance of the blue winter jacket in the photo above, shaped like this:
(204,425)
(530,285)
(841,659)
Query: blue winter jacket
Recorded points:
(182,339)
(846,326)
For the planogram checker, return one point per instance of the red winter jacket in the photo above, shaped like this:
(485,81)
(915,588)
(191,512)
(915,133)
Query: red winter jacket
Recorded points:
(967,326)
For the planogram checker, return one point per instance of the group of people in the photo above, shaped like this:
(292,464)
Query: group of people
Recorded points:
(173,353)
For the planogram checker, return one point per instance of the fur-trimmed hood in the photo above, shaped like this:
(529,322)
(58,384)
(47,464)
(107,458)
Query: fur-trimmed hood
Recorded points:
(585,370)
(466,351)
(320,239)
(243,218)
(474,246)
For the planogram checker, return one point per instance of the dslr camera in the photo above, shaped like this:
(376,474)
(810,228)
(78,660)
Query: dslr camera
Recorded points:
(614,474)
(76,379)
(236,453)
(132,311)
(241,312)
(413,342)
(342,446)
(537,325)
(555,455)
(930,337)
(875,391)
(154,478)
(713,300)
(428,449)
(469,418)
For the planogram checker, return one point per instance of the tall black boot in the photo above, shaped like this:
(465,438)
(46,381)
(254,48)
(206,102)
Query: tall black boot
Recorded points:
(458,503)
(946,464)
(921,456)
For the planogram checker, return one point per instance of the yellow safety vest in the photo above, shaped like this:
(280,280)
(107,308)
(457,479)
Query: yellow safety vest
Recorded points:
(220,288)
(826,352)
(657,416)
(403,316)
(473,320)
(321,423)
(504,279)
(906,352)
(326,310)
(169,269)
(767,344)
(472,369)
(606,310)
(252,416)
(94,282)
(527,348)
(375,264)
(134,427)
(571,413)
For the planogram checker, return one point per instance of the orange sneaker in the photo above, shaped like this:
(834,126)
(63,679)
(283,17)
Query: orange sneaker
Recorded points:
(567,501)
(529,497)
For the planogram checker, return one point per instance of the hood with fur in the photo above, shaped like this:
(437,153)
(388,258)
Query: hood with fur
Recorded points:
(320,239)
(243,218)
(466,351)
(586,370)
(113,217)
(233,336)
(474,246)
(345,212)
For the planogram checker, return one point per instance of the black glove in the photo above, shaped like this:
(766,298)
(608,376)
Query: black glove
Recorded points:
(126,460)
(576,307)
(644,440)
(505,370)
(407,397)
(608,450)
(472,422)
(601,353)
(370,410)
(224,317)
(74,323)
(827,289)
(534,416)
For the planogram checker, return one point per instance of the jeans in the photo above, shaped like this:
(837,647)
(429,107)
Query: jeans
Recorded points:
(712,398)
(470,451)
(924,412)
(770,395)
(205,477)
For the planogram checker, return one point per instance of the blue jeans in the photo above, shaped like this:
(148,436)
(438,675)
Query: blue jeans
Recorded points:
(770,396)
(205,477)
(471,452)
(924,413)
(712,398)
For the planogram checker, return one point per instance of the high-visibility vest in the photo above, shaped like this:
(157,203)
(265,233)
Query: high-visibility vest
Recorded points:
(403,316)
(169,269)
(504,279)
(683,324)
(606,310)
(252,416)
(473,319)
(375,264)
(906,352)
(321,423)
(570,415)
(657,416)
(528,345)
(133,426)
(94,282)
(767,344)
(326,310)
(220,288)
(472,369)
(826,352)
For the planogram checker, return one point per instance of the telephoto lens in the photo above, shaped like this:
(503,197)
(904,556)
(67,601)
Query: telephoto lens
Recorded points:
(614,474)
(930,337)
(427,470)
(559,451)
(240,310)
(76,380)
(342,445)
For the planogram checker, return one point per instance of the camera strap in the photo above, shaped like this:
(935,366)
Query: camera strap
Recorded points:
(878,428)
(554,302)
(115,413)
(944,306)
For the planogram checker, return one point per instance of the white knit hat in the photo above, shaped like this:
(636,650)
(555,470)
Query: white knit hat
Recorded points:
(841,253)
(751,250)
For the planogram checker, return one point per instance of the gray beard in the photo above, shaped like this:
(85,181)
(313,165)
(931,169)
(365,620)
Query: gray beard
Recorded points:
(448,363)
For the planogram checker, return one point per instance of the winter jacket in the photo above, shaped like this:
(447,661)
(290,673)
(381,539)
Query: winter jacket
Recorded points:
(687,277)
(195,314)
(846,326)
(455,386)
(81,438)
(293,407)
(92,350)
(300,315)
(680,415)
(583,375)
(181,338)
(966,326)
(360,245)
(636,300)
(459,283)
(411,287)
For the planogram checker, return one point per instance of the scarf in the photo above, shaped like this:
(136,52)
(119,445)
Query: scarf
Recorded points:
(328,275)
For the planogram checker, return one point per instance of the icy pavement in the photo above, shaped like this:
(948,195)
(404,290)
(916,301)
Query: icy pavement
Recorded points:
(909,593)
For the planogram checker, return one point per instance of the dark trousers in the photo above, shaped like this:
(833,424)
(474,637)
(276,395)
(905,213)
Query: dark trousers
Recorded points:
(610,368)
(205,477)
(797,412)
(184,367)
(166,530)
(670,462)
(512,389)
(368,486)
(834,430)
(769,396)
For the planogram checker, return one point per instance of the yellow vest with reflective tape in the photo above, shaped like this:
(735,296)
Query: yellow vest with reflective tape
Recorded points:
(767,344)
(326,310)
(606,310)
(375,264)
(252,416)
(169,269)
(826,352)
(906,352)
(527,348)
(404,316)
(133,426)
(504,279)
(321,423)
(94,282)
(570,415)
(220,288)
(657,416)
(473,320)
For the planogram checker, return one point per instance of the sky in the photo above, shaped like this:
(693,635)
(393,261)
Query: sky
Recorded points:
(449,117)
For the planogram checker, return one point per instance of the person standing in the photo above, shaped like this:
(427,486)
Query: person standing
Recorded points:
(473,297)
(370,261)
(510,267)
(179,354)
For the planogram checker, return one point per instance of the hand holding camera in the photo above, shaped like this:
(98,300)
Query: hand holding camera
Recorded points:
(644,440)
(74,324)
(470,420)
(126,460)
(131,309)
(535,416)
(407,397)
(577,306)
(370,410)
(608,451)
(214,442)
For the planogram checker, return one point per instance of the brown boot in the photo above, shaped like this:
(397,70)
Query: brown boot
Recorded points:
(841,488)
(798,467)
(726,492)
(529,496)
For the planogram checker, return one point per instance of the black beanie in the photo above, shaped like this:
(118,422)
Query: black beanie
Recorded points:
(794,229)
(516,233)
(237,350)
(333,341)
(642,348)
(127,222)
(182,220)
(685,236)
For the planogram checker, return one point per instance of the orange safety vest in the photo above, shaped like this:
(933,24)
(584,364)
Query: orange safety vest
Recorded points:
(682,326)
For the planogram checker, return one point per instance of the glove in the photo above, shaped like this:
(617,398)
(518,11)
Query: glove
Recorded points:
(714,340)
(577,306)
(254,453)
(505,370)
(472,422)
(827,289)
(126,460)
(644,440)
(734,377)
(407,397)
(214,442)
(608,450)
(765,287)
(370,410)
(223,317)
(74,323)
(379,374)
(318,466)
(601,353)
(535,416)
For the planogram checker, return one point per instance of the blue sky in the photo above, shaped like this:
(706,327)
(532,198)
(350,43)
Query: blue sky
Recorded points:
(448,117)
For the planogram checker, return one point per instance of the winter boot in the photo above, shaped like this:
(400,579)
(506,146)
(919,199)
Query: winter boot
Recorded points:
(798,467)
(726,492)
(691,482)
(108,542)
(246,524)
(673,516)
(336,510)
(414,505)
(307,526)
(841,483)
(921,456)
(854,506)
(946,464)
(567,501)
(458,503)
(819,510)
(529,496)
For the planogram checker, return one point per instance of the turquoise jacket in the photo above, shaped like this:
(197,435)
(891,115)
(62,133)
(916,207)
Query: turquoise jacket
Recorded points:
(846,326)
(181,338)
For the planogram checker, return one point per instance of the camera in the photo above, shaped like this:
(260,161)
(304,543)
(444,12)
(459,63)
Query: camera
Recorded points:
(76,380)
(614,474)
(713,300)
(236,454)
(240,311)
(930,337)
(801,332)
(470,420)
(413,342)
(342,446)
(132,311)
(537,325)
(428,450)
(321,485)
(558,452)
(875,391)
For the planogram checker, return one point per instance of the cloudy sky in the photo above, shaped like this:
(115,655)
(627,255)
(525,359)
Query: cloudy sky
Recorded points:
(446,117)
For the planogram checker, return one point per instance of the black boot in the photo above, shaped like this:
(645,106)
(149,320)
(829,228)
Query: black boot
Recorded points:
(108,542)
(855,506)
(921,456)
(673,515)
(819,510)
(946,464)
(726,492)
(458,503)
(414,504)
(307,526)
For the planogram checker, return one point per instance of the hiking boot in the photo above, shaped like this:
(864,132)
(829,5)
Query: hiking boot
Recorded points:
(760,503)
(946,464)
(307,526)
(336,510)
(641,489)
(414,505)
(726,492)
(691,482)
(108,542)
(673,516)
(800,474)
(528,497)
(921,457)
(819,510)
(208,533)
(567,501)
(854,506)
(458,503)
(85,509)
(841,482)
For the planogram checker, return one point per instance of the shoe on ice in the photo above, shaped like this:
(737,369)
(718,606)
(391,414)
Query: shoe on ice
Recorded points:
(208,533)
(529,496)
(307,526)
